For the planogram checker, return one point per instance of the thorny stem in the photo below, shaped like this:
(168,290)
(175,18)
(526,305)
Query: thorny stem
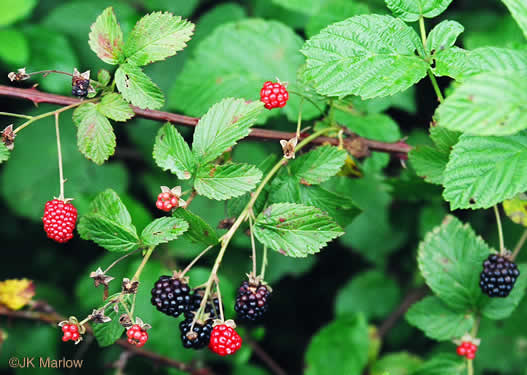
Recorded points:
(225,239)
(47,114)
(143,263)
(27,117)
(252,244)
(59,152)
(500,230)
(264,262)
(120,259)
(519,245)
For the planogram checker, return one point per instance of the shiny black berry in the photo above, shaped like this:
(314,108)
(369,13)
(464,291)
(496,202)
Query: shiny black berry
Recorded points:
(252,300)
(79,86)
(195,301)
(199,336)
(171,295)
(498,276)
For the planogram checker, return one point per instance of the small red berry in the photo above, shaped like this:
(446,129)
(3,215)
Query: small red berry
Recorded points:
(59,220)
(224,340)
(137,335)
(71,332)
(274,95)
(461,350)
(467,349)
(167,201)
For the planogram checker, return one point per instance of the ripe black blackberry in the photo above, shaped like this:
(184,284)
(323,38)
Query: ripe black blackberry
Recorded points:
(171,295)
(80,86)
(199,336)
(498,276)
(252,300)
(195,301)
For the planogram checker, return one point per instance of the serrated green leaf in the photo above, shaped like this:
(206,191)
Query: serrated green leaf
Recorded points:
(226,181)
(137,88)
(318,165)
(104,77)
(109,205)
(447,259)
(163,230)
(171,152)
(157,36)
(294,229)
(368,55)
(401,363)
(516,209)
(443,364)
(4,152)
(107,233)
(461,64)
(106,37)
(438,321)
(108,333)
(199,230)
(477,178)
(430,162)
(95,136)
(342,346)
(333,11)
(411,10)
(518,9)
(502,308)
(363,293)
(222,126)
(443,36)
(487,104)
(115,107)
(236,59)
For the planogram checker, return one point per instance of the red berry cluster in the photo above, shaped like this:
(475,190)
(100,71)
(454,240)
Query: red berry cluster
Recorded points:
(274,95)
(224,340)
(71,332)
(59,220)
(137,335)
(166,201)
(467,349)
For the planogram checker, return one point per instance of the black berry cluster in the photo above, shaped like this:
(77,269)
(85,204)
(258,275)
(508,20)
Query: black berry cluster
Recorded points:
(199,336)
(252,300)
(195,301)
(79,86)
(171,295)
(498,276)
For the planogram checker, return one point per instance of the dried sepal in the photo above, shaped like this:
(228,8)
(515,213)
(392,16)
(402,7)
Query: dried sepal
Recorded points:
(130,287)
(142,324)
(97,316)
(20,75)
(125,321)
(8,137)
(288,147)
(100,278)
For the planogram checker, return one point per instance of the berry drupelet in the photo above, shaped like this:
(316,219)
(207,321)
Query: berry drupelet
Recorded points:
(498,276)
(199,336)
(59,220)
(252,300)
(171,295)
(274,95)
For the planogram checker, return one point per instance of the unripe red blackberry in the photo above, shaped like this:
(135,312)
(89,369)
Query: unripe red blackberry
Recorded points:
(498,276)
(274,95)
(59,220)
(252,300)
(224,340)
(199,336)
(195,301)
(171,295)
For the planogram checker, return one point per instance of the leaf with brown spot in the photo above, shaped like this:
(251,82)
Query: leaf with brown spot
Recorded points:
(106,37)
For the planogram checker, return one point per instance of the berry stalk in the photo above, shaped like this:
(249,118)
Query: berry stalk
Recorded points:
(143,263)
(226,238)
(519,245)
(500,230)
(429,71)
(59,153)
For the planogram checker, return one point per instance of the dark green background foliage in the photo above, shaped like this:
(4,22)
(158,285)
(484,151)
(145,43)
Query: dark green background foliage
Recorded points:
(342,293)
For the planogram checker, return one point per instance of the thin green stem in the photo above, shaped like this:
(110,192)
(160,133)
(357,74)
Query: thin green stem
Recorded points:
(133,307)
(191,264)
(46,72)
(299,122)
(59,153)
(264,262)
(47,114)
(500,230)
(470,367)
(306,98)
(226,238)
(120,259)
(423,30)
(519,245)
(251,228)
(218,292)
(16,115)
(473,333)
(436,86)
(143,263)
